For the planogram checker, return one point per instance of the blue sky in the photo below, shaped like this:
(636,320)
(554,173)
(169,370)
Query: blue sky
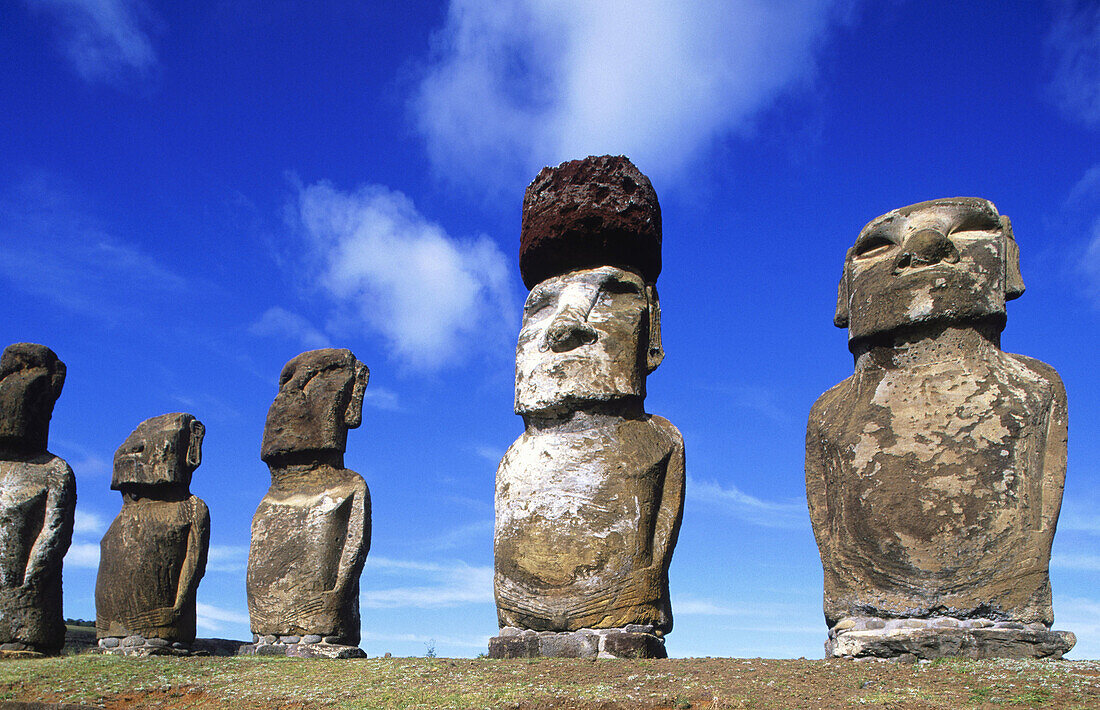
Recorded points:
(193,193)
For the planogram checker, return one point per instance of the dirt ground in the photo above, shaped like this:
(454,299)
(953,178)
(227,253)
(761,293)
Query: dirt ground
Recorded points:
(546,684)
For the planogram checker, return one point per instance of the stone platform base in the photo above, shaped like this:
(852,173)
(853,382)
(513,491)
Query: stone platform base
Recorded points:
(632,641)
(913,639)
(140,646)
(310,646)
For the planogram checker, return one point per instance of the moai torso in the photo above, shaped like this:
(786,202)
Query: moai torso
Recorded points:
(589,499)
(311,532)
(308,541)
(935,472)
(587,545)
(153,555)
(37,501)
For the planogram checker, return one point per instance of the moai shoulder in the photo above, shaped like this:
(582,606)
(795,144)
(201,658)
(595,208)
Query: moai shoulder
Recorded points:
(934,473)
(590,498)
(37,502)
(311,532)
(153,555)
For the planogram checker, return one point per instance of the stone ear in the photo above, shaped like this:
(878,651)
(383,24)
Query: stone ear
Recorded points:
(655,351)
(353,415)
(840,318)
(1014,279)
(194,444)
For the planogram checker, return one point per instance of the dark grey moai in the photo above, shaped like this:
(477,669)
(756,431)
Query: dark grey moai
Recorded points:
(37,502)
(934,473)
(311,532)
(154,554)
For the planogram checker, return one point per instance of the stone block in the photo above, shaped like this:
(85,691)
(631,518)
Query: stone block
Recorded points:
(514,647)
(621,644)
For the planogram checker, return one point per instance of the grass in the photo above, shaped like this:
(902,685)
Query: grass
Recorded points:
(251,683)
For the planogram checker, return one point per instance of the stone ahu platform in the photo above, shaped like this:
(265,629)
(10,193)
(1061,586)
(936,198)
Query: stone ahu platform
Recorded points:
(309,646)
(630,641)
(140,647)
(911,639)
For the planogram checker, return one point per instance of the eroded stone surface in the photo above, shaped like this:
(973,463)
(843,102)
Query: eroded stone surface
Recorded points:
(589,499)
(940,637)
(934,474)
(37,501)
(627,642)
(311,532)
(154,554)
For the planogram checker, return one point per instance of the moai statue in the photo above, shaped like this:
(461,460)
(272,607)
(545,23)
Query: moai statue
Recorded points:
(934,474)
(37,502)
(154,554)
(589,499)
(311,533)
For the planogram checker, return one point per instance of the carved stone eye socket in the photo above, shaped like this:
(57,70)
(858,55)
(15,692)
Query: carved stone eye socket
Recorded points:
(538,300)
(976,222)
(873,245)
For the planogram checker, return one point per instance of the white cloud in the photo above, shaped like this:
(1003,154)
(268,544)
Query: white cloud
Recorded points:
(282,323)
(226,558)
(87,523)
(208,617)
(381,398)
(432,297)
(1082,617)
(517,84)
(435,585)
(479,642)
(1088,563)
(103,38)
(83,554)
(1073,43)
(750,509)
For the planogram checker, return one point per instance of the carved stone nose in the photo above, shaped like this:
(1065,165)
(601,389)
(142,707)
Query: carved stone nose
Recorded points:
(926,247)
(568,332)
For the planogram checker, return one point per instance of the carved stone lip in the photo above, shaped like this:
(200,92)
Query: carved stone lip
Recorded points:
(917,267)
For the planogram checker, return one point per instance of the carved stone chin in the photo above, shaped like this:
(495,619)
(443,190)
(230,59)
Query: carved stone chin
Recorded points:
(311,532)
(37,501)
(934,474)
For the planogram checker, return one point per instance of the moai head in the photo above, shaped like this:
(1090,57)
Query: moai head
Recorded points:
(320,398)
(31,378)
(590,252)
(938,262)
(162,451)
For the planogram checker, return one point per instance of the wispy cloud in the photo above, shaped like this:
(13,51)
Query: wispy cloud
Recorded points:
(381,398)
(83,554)
(434,298)
(517,84)
(279,322)
(213,618)
(227,558)
(750,509)
(1087,563)
(1073,44)
(489,453)
(51,248)
(103,38)
(87,523)
(434,585)
(479,642)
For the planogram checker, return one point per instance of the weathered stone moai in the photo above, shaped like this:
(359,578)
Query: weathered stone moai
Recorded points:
(934,474)
(311,533)
(589,499)
(154,554)
(37,502)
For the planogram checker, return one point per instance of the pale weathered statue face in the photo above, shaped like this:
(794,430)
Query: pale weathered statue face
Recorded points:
(162,450)
(950,260)
(587,336)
